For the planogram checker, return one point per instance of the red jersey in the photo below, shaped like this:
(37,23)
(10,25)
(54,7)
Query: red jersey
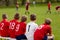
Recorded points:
(27,5)
(4,26)
(57,7)
(49,5)
(42,31)
(12,27)
(20,28)
(17,5)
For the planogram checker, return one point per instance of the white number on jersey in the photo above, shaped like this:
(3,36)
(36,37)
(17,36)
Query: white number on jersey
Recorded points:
(2,25)
(12,25)
(17,27)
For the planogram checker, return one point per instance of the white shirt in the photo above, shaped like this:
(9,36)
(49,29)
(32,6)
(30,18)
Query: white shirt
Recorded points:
(33,2)
(30,29)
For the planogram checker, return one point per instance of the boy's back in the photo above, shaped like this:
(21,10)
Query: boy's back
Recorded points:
(30,29)
(4,26)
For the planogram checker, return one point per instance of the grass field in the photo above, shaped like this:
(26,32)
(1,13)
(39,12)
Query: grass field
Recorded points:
(41,12)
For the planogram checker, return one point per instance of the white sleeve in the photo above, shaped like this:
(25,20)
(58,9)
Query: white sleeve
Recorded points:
(36,26)
(27,28)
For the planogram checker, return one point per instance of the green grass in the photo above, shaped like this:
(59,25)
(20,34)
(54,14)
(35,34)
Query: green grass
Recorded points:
(41,12)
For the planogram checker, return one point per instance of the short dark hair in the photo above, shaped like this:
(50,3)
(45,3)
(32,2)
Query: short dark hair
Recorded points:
(4,16)
(23,18)
(48,21)
(33,17)
(16,16)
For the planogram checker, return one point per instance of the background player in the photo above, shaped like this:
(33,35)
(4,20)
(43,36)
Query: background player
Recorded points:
(21,29)
(13,24)
(17,6)
(27,7)
(58,9)
(34,3)
(49,7)
(4,26)
(43,30)
(31,27)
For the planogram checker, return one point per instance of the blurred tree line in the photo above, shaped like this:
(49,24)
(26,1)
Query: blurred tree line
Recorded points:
(22,2)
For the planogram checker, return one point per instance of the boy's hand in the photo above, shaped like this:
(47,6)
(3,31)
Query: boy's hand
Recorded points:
(51,37)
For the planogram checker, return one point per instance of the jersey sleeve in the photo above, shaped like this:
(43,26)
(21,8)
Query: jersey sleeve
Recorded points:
(24,27)
(49,30)
(36,26)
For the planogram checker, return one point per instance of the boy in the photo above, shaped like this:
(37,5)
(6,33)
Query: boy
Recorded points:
(49,7)
(34,3)
(17,6)
(31,27)
(13,24)
(27,7)
(21,28)
(43,30)
(4,26)
(58,9)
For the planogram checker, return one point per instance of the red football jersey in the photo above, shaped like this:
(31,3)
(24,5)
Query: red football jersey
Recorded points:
(27,5)
(12,27)
(49,5)
(57,7)
(17,5)
(20,28)
(42,31)
(4,26)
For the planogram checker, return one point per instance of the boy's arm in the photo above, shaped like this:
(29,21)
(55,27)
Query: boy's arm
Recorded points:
(49,31)
(50,35)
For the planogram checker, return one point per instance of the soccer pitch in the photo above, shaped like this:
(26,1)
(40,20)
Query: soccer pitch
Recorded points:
(41,12)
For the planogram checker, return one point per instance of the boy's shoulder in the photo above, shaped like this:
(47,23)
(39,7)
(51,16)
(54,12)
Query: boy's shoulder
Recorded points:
(32,23)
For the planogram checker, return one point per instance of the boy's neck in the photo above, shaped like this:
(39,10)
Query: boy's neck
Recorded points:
(33,21)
